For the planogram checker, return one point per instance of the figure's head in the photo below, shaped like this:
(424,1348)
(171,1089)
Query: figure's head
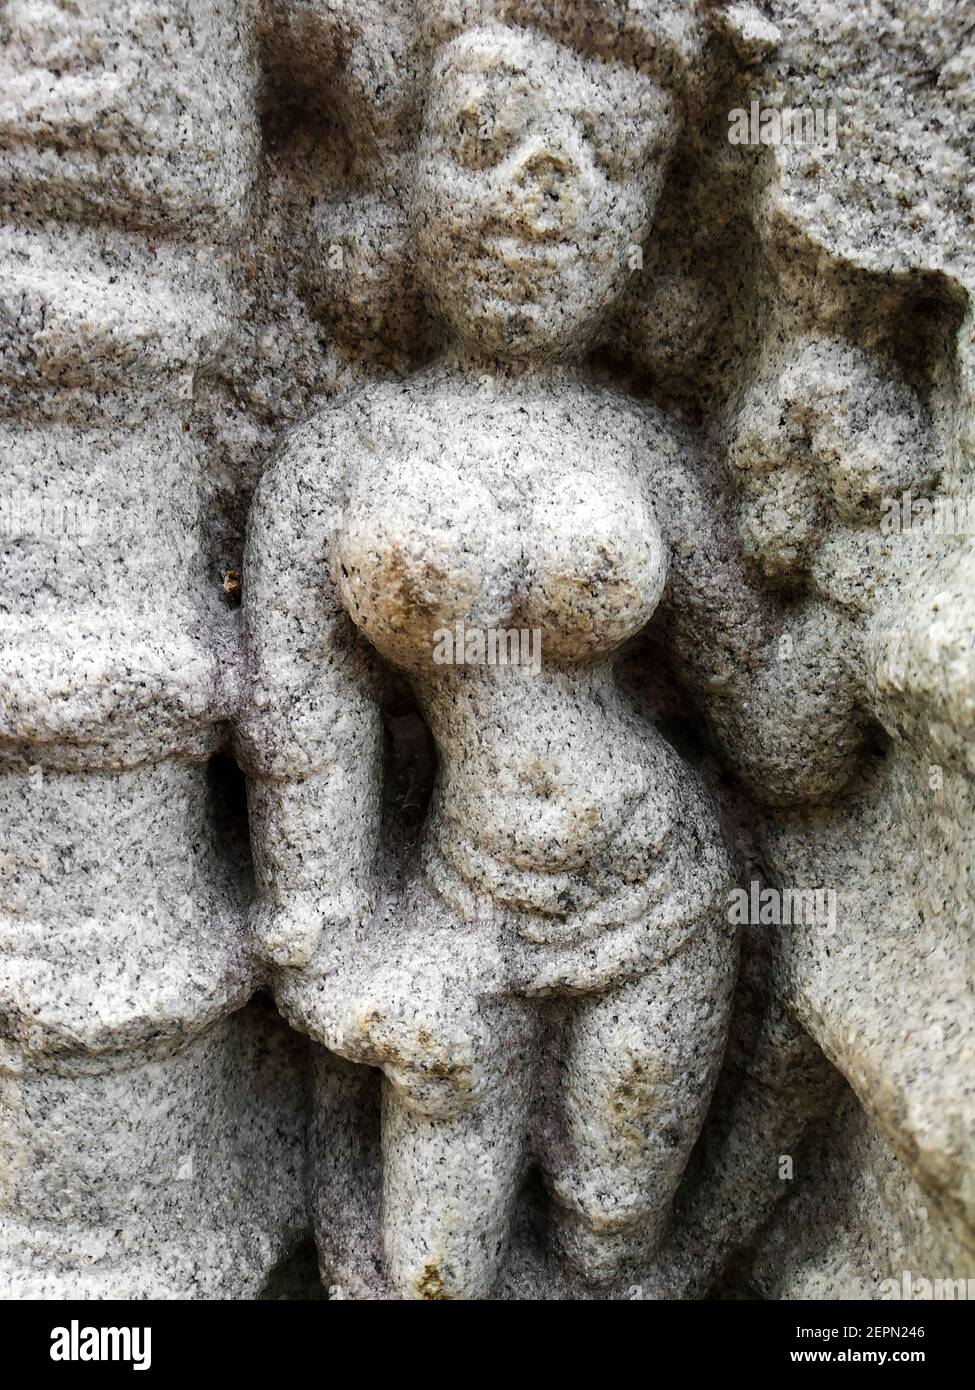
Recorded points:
(539,170)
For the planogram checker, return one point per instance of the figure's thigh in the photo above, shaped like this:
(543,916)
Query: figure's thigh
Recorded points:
(450,1181)
(639,1065)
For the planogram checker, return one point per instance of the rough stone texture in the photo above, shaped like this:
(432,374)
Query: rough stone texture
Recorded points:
(404,318)
(148,1146)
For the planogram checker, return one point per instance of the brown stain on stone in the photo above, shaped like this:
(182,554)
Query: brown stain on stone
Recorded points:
(404,1058)
(636,1097)
(404,602)
(430,1286)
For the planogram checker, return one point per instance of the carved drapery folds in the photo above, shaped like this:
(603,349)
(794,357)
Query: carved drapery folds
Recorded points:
(594,487)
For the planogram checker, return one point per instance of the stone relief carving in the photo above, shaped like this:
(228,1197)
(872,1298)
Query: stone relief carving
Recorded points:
(570,607)
(138,1111)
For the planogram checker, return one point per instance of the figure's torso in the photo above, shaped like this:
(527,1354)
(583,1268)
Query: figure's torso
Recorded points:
(469,510)
(494,513)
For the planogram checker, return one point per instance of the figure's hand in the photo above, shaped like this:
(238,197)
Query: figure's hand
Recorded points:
(423,1035)
(403,1003)
(287,930)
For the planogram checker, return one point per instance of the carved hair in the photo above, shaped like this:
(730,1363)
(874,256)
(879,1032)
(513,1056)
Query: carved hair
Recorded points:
(663,37)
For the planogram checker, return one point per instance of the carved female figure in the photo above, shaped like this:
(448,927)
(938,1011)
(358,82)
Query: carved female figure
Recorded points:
(569,853)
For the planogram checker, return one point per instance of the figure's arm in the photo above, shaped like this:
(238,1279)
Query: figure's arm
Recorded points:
(773,675)
(309,736)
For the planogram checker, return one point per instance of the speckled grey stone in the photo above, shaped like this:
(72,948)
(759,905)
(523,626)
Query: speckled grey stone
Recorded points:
(150,1135)
(418,325)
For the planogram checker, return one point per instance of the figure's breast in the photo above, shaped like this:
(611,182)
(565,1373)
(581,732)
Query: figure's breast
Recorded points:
(596,566)
(422,549)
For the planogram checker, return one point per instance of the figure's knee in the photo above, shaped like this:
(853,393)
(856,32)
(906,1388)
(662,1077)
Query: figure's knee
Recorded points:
(425,1091)
(425,1276)
(604,1240)
(449,1189)
(610,1192)
(614,1183)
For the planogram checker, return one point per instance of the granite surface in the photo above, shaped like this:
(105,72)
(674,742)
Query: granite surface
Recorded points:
(487,673)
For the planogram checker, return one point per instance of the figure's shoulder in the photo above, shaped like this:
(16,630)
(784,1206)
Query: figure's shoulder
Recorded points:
(678,468)
(316,457)
(335,425)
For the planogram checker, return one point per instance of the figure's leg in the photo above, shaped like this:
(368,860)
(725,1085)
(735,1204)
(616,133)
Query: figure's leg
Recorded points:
(638,1068)
(345,1176)
(450,1180)
(424,1002)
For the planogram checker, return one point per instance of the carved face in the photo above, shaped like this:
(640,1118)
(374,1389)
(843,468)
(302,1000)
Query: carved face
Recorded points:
(539,171)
